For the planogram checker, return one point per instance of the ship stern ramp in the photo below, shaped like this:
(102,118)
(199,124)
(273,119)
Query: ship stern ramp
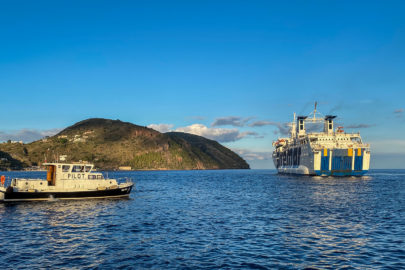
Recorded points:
(342,162)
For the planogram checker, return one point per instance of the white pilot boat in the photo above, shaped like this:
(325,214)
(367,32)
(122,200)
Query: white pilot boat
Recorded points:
(331,152)
(65,181)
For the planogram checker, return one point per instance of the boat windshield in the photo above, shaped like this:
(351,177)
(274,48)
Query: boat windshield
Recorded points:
(78,168)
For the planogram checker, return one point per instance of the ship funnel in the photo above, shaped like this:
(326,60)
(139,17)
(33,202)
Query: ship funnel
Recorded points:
(328,126)
(301,125)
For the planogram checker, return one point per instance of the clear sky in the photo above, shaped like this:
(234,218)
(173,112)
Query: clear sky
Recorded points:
(233,71)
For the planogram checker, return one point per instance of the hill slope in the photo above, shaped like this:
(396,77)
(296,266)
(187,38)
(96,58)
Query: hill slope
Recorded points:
(113,143)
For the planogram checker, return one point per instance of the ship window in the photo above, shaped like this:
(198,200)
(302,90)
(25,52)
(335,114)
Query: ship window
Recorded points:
(356,139)
(78,168)
(65,168)
(99,177)
(88,168)
(92,176)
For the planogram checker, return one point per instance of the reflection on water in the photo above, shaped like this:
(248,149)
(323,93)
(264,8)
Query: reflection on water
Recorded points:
(215,219)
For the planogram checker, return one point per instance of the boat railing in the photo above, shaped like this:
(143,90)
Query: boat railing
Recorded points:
(5,180)
(123,180)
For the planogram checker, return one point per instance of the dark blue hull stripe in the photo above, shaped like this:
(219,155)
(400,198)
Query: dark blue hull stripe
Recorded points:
(26,196)
(330,173)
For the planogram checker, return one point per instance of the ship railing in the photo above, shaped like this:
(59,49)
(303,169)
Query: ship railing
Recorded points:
(320,146)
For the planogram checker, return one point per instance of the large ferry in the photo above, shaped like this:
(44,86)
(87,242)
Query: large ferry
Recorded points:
(64,181)
(331,152)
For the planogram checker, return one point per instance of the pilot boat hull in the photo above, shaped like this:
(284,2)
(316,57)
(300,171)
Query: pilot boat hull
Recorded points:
(65,181)
(10,196)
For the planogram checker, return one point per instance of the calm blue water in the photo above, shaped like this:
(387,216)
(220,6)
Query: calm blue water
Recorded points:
(215,219)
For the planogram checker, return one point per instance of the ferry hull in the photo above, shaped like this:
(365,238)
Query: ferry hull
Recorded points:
(11,196)
(299,170)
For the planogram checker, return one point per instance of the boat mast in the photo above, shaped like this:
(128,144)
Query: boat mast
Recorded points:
(316,103)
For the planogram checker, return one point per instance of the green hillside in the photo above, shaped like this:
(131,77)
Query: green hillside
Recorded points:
(110,144)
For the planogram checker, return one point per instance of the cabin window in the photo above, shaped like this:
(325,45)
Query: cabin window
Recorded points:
(88,168)
(78,168)
(65,168)
(92,176)
(99,177)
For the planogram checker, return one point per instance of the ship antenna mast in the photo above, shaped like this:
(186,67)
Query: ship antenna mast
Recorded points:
(293,127)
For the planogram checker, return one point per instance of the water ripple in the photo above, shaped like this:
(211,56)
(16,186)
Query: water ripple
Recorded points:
(215,219)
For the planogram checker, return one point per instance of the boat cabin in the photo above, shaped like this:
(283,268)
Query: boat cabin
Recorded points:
(73,171)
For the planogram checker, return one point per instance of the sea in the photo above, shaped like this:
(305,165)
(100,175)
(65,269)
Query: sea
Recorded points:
(224,219)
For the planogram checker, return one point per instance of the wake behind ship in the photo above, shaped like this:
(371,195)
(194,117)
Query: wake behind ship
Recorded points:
(332,152)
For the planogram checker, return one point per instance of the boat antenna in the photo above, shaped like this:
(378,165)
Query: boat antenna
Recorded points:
(316,103)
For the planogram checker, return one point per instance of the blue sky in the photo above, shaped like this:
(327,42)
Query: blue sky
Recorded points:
(209,67)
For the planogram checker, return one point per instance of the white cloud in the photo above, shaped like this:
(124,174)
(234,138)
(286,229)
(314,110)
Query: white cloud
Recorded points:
(252,155)
(231,121)
(360,126)
(27,135)
(217,134)
(262,123)
(283,128)
(399,112)
(161,127)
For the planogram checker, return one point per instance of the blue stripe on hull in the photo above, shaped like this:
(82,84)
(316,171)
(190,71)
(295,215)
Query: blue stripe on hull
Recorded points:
(341,173)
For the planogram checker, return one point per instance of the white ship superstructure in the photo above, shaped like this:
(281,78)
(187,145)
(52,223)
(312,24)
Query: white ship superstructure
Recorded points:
(329,152)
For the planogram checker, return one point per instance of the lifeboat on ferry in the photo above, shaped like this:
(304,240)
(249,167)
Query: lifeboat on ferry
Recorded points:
(281,142)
